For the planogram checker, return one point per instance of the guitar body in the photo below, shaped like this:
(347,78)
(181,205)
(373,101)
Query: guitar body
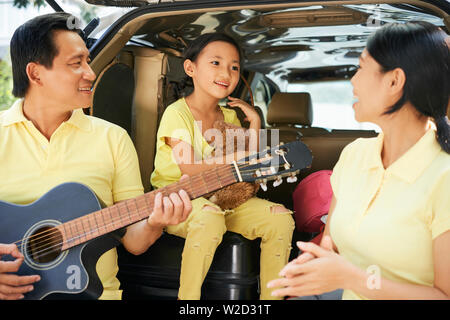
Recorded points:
(70,273)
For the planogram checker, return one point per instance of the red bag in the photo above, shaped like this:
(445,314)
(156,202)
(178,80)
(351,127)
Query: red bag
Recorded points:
(311,200)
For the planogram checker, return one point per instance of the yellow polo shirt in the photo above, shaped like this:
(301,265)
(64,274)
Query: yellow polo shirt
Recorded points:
(83,149)
(386,219)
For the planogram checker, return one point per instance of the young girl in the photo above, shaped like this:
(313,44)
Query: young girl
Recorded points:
(213,63)
(389,218)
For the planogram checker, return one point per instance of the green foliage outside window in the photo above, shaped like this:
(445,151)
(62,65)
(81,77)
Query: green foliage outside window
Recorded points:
(6,97)
(25,3)
(88,12)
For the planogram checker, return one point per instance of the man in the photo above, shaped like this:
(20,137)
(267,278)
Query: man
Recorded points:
(46,139)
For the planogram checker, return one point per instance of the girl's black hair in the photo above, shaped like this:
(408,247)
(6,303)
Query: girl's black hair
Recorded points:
(420,50)
(196,46)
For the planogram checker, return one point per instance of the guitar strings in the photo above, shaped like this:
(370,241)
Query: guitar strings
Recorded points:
(182,184)
(139,212)
(48,248)
(41,237)
(48,234)
(120,218)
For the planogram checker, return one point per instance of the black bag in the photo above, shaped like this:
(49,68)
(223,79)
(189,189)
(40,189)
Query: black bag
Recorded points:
(155,274)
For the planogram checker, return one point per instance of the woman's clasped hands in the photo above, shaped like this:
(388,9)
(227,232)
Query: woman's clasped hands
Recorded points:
(317,270)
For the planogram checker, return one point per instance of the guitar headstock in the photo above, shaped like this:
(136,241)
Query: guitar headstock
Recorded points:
(284,160)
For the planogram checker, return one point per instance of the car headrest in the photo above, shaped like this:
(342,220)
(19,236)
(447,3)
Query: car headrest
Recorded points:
(448,109)
(290,108)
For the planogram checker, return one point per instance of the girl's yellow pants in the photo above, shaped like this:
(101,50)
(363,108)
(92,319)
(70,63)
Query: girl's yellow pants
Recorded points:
(205,226)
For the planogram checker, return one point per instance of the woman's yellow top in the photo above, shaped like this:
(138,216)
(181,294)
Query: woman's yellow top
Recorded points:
(385,220)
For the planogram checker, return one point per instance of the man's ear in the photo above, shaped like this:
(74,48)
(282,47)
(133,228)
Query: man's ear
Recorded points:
(188,67)
(33,73)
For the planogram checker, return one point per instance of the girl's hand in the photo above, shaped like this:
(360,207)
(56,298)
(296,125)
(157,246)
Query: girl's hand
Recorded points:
(327,272)
(251,115)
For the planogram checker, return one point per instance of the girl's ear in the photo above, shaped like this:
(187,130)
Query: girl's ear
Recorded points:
(188,67)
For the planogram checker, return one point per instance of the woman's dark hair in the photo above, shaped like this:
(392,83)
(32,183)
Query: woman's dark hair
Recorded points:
(421,51)
(196,46)
(33,42)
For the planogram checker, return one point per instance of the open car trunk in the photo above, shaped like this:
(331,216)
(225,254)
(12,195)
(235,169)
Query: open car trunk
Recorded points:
(139,67)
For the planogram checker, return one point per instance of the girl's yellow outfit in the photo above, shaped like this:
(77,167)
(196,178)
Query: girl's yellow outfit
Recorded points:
(203,229)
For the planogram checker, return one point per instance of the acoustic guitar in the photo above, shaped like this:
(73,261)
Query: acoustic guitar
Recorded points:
(63,234)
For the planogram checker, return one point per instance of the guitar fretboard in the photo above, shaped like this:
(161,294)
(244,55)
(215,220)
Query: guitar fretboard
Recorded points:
(127,212)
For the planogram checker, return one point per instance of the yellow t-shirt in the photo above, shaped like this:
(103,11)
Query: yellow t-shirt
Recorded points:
(83,149)
(385,220)
(179,123)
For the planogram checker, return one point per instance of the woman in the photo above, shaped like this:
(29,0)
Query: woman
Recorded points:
(388,230)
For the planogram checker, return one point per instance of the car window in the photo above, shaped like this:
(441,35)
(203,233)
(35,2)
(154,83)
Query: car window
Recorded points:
(332,105)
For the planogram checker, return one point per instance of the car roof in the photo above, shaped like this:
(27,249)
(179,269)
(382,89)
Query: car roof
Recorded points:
(293,43)
(139,3)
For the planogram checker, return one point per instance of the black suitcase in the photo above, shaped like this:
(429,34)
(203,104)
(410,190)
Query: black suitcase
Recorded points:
(234,273)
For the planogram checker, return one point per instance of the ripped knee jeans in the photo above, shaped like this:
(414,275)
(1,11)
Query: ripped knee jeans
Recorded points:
(204,229)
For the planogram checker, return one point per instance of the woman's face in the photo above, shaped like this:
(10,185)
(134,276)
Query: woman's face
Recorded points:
(370,90)
(216,69)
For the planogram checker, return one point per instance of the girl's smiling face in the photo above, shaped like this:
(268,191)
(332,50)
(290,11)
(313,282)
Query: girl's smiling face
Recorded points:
(216,69)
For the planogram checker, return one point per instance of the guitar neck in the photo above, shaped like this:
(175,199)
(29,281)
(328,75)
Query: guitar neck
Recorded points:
(127,212)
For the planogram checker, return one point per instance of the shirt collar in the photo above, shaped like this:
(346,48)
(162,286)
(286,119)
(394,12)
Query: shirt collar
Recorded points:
(15,115)
(372,159)
(411,164)
(80,120)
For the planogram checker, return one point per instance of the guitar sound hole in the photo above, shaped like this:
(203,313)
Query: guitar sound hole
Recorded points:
(44,245)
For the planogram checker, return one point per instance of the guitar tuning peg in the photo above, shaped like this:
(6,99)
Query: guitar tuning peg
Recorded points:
(264,184)
(277,182)
(292,178)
